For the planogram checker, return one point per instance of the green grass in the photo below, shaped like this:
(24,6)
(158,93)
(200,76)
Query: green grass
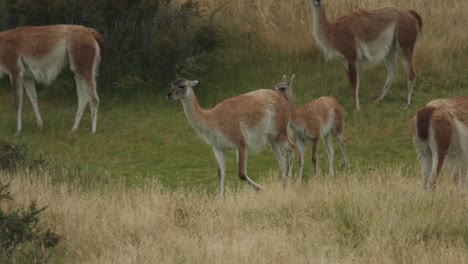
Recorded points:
(145,137)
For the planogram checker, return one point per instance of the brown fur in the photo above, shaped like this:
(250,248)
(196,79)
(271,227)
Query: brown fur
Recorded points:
(100,40)
(423,118)
(418,17)
(44,38)
(436,133)
(314,115)
(246,109)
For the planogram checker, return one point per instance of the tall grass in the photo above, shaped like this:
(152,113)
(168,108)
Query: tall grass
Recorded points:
(375,216)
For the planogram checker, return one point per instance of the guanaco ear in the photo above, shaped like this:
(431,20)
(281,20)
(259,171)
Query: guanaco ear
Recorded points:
(290,81)
(285,78)
(193,83)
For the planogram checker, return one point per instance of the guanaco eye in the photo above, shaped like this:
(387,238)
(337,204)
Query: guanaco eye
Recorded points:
(181,87)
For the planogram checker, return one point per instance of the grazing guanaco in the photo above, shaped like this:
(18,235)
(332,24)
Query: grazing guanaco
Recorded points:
(39,53)
(315,120)
(242,122)
(369,36)
(440,135)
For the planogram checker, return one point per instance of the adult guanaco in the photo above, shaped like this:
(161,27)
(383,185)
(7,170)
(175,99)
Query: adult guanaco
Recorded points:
(39,53)
(440,135)
(369,36)
(242,122)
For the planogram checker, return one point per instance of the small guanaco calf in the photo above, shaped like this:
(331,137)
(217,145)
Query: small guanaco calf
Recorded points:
(315,120)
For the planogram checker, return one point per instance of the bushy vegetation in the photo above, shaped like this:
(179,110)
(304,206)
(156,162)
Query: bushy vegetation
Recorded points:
(21,236)
(14,156)
(151,41)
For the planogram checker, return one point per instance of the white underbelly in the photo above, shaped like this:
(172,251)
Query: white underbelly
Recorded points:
(376,50)
(46,68)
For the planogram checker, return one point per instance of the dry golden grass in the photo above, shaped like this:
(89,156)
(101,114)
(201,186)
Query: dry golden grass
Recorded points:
(287,25)
(373,216)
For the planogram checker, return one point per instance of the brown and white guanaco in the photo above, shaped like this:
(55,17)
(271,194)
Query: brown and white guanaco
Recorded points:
(241,122)
(315,120)
(440,135)
(369,36)
(39,53)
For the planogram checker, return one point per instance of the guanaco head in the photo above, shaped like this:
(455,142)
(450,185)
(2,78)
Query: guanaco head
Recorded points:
(285,86)
(317,3)
(179,88)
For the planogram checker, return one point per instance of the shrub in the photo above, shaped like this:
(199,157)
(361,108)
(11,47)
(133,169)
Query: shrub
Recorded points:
(20,227)
(11,155)
(14,156)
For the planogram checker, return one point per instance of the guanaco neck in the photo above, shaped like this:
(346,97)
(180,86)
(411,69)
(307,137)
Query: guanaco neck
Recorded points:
(321,25)
(292,103)
(194,113)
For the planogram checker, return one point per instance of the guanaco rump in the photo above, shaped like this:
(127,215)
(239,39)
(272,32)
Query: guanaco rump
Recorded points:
(39,53)
(315,120)
(364,36)
(242,122)
(441,134)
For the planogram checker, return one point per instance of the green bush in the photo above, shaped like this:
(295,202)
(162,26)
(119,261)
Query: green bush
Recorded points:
(14,156)
(150,40)
(20,233)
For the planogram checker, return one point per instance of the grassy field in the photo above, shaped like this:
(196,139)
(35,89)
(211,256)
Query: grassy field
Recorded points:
(371,216)
(144,136)
(148,137)
(146,183)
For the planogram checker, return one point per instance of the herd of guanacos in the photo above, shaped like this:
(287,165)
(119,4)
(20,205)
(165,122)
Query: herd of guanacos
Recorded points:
(39,53)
